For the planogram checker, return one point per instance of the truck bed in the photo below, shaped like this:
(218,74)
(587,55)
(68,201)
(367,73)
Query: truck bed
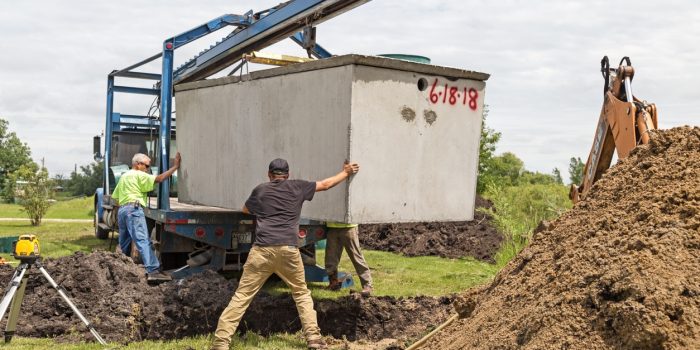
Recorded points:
(175,205)
(196,213)
(181,213)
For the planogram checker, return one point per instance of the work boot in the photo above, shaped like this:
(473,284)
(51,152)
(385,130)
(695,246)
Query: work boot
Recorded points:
(317,344)
(158,277)
(334,283)
(366,291)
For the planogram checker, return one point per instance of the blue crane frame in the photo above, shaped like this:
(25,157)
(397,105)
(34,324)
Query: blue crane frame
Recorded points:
(254,31)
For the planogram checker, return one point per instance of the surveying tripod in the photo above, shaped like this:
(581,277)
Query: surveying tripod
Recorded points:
(15,295)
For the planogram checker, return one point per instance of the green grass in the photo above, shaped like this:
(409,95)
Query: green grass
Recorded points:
(56,238)
(11,211)
(517,210)
(76,208)
(248,341)
(400,276)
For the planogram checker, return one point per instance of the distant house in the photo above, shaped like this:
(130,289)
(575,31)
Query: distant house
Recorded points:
(19,190)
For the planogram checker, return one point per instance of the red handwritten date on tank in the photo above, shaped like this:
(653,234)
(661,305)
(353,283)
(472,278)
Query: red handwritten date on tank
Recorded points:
(453,95)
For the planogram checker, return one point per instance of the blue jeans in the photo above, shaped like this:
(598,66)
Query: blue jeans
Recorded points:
(132,227)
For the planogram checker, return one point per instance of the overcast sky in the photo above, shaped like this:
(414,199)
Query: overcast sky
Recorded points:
(544,94)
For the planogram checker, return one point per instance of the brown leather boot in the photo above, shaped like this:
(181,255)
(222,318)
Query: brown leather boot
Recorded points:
(333,282)
(317,344)
(366,291)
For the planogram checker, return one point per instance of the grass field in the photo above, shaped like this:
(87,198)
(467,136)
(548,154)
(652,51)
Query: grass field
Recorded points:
(56,238)
(393,275)
(401,276)
(249,341)
(76,208)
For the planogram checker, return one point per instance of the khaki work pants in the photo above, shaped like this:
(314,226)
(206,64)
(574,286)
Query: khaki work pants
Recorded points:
(336,240)
(285,261)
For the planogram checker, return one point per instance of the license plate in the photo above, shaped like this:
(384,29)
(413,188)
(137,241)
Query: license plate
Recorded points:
(245,237)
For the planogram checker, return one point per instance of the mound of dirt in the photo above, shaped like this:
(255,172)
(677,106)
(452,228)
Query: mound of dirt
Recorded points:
(477,238)
(112,293)
(621,270)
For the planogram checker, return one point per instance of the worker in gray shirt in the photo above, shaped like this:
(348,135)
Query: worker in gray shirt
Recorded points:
(277,207)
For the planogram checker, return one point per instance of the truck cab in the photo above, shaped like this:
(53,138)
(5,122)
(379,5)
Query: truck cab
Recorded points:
(130,135)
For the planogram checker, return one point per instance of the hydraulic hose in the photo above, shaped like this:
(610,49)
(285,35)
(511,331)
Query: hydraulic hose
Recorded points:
(427,337)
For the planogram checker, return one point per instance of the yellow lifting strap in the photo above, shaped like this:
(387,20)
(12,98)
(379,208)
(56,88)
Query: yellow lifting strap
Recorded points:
(274,59)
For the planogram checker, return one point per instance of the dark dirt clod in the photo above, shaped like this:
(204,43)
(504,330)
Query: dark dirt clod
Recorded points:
(621,270)
(111,292)
(477,238)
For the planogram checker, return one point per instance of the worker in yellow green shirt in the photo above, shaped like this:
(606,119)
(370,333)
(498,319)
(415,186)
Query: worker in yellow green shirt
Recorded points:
(341,236)
(130,194)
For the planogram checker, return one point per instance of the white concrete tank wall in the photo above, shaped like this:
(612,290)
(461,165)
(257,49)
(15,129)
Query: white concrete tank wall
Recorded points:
(419,159)
(418,155)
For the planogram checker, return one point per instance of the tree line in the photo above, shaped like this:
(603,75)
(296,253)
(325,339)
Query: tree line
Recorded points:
(520,199)
(507,169)
(27,183)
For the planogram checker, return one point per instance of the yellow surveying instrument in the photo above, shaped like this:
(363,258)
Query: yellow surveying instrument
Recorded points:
(26,250)
(26,247)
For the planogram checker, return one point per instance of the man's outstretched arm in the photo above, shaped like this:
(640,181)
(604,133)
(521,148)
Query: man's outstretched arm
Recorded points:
(161,177)
(348,170)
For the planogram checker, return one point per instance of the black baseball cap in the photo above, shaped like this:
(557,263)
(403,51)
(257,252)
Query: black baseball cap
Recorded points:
(279,166)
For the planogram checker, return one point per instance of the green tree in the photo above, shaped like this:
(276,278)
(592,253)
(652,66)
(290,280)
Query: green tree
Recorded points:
(557,176)
(487,147)
(13,153)
(34,189)
(504,170)
(86,181)
(576,166)
(534,178)
(60,180)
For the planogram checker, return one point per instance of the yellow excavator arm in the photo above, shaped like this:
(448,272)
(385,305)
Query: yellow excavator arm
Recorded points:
(624,123)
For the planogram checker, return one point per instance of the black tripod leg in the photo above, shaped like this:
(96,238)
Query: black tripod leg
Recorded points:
(14,310)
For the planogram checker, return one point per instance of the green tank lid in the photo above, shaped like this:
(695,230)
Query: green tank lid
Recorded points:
(412,58)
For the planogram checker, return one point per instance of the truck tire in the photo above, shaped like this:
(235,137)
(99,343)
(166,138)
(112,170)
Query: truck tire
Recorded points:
(99,232)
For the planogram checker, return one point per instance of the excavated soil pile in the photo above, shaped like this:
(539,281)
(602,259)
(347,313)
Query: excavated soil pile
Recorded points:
(111,292)
(621,270)
(477,238)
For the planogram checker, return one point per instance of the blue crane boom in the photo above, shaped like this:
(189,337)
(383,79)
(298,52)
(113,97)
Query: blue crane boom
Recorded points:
(254,31)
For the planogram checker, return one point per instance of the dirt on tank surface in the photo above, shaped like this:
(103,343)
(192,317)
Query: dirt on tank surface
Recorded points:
(477,238)
(621,270)
(112,293)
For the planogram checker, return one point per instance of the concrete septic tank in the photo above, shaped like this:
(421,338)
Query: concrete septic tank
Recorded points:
(413,128)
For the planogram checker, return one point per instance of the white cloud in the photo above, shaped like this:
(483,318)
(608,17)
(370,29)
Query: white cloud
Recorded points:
(544,93)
